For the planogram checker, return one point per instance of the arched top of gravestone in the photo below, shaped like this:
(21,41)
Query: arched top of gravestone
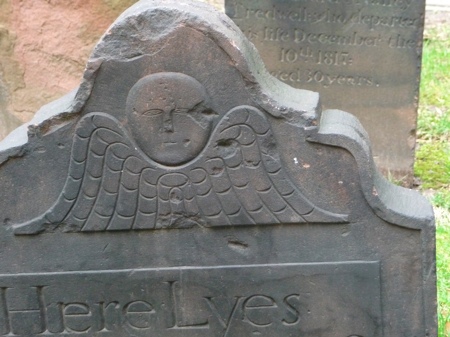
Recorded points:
(143,35)
(181,165)
(190,63)
(146,28)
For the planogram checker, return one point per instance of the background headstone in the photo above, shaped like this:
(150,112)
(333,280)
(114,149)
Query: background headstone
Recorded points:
(165,197)
(363,56)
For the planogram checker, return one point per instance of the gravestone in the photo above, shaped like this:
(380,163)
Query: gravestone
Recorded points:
(183,191)
(363,56)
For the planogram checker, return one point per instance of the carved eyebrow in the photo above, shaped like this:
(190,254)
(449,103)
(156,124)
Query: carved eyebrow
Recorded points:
(181,109)
(153,111)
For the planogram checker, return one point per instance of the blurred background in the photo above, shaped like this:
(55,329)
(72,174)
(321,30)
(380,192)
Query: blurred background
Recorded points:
(44,46)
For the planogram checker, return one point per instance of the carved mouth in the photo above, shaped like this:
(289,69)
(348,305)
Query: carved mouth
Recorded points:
(170,143)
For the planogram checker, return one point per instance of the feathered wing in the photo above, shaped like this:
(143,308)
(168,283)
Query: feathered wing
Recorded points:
(244,181)
(109,185)
(237,180)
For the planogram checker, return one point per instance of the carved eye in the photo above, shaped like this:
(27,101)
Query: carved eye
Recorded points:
(151,112)
(181,110)
(209,112)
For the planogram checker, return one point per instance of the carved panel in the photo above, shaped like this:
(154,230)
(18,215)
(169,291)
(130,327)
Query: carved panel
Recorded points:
(171,170)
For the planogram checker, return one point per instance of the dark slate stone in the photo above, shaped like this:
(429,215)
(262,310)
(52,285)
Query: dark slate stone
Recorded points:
(363,56)
(183,191)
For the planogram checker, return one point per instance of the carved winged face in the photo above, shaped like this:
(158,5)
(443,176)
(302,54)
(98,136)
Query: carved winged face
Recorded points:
(169,117)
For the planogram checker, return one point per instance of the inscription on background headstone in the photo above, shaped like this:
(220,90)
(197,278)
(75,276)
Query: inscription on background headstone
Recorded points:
(183,191)
(363,56)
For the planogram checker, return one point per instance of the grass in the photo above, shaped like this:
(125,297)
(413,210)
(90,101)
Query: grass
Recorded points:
(433,154)
(442,199)
(432,165)
(442,264)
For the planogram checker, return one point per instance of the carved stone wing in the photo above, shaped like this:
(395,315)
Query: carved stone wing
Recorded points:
(244,181)
(237,180)
(109,185)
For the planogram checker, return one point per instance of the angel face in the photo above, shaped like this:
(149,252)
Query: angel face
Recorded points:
(169,117)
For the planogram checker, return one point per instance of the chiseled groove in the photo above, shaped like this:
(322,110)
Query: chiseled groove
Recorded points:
(83,178)
(236,192)
(140,195)
(268,175)
(117,193)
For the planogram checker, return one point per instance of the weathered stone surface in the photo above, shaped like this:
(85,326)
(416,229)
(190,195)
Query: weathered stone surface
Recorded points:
(44,46)
(362,56)
(182,191)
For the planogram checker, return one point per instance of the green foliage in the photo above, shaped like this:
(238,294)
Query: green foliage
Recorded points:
(443,271)
(432,165)
(435,82)
(442,199)
(433,123)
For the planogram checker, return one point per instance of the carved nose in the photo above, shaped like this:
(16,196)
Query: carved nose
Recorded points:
(167,121)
